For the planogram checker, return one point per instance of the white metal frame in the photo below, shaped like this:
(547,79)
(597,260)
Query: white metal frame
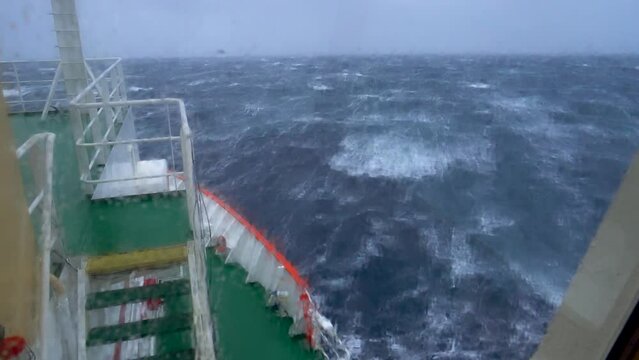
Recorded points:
(109,108)
(19,105)
(202,323)
(43,200)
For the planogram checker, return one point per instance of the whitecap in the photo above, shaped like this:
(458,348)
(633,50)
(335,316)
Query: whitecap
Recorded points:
(320,87)
(395,156)
(367,96)
(136,88)
(478,85)
(234,84)
(252,109)
(354,345)
(462,263)
(197,82)
(10,93)
(489,222)
(542,283)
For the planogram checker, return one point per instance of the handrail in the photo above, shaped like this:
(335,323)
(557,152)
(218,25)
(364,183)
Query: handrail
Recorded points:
(44,199)
(95,82)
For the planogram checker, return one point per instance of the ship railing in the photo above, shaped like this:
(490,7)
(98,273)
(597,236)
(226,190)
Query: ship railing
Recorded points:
(38,149)
(37,86)
(96,105)
(184,177)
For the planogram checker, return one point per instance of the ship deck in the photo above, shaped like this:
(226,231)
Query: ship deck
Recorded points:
(245,327)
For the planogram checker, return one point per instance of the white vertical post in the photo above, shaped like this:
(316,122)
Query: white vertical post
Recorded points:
(47,242)
(52,89)
(82,320)
(187,159)
(81,151)
(204,349)
(17,77)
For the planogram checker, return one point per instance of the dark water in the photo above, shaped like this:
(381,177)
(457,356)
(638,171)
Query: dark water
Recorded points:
(438,205)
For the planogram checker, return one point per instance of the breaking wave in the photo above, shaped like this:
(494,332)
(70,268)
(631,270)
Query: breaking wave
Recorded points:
(10,92)
(138,89)
(397,156)
(478,85)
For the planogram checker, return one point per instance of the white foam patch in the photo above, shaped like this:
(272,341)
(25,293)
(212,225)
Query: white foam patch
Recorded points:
(197,82)
(252,109)
(354,345)
(367,96)
(10,93)
(543,284)
(478,85)
(396,156)
(320,87)
(462,263)
(520,104)
(489,222)
(137,88)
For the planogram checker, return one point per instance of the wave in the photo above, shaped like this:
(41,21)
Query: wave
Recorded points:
(197,82)
(320,87)
(137,88)
(395,156)
(479,85)
(10,93)
(252,109)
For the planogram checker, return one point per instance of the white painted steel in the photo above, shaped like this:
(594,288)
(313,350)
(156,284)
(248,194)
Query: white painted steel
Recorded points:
(43,172)
(263,267)
(83,285)
(54,82)
(202,323)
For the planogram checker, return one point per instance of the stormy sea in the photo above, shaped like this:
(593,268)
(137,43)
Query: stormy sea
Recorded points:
(438,205)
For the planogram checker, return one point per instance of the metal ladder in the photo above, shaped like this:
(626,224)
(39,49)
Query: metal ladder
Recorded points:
(158,295)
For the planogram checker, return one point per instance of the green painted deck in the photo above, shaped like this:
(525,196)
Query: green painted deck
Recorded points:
(107,226)
(246,328)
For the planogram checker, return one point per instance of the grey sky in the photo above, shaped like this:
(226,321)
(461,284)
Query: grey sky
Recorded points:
(135,28)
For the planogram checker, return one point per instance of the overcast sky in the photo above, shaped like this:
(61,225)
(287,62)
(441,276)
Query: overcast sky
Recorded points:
(137,28)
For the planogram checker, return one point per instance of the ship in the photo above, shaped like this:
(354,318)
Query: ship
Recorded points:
(116,251)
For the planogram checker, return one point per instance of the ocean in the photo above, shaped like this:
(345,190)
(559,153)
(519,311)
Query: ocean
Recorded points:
(438,205)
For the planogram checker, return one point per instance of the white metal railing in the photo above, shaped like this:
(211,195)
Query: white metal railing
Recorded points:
(39,148)
(24,84)
(103,106)
(202,323)
(28,87)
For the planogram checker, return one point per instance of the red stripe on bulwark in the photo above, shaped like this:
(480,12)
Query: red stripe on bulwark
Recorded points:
(290,268)
(304,298)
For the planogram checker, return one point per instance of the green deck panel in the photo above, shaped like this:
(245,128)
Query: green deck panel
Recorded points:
(139,329)
(246,328)
(106,226)
(177,341)
(162,290)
